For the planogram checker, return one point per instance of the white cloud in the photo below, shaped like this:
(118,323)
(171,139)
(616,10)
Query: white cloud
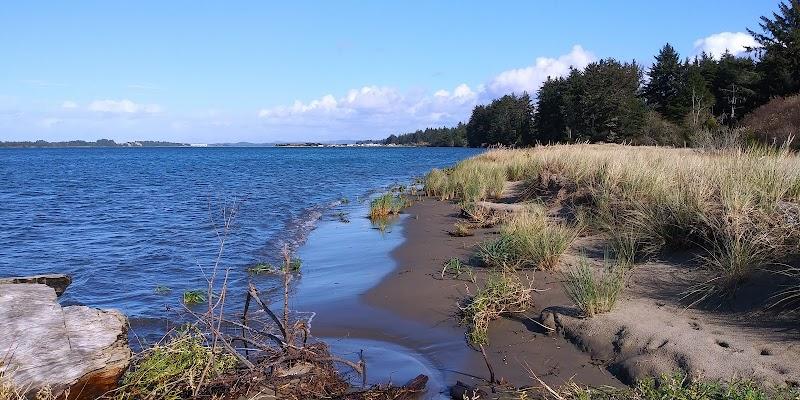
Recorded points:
(377,110)
(716,44)
(69,105)
(530,78)
(372,107)
(124,106)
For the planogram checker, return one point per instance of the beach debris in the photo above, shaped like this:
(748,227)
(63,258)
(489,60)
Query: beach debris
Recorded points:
(75,349)
(59,282)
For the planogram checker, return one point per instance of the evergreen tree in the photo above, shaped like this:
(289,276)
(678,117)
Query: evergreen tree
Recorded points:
(550,119)
(780,51)
(609,107)
(507,121)
(667,81)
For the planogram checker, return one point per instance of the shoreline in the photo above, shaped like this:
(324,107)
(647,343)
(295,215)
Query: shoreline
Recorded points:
(414,291)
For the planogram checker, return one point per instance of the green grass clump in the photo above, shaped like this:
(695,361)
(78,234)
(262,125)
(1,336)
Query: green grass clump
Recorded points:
(386,205)
(499,253)
(470,180)
(261,268)
(193,297)
(171,371)
(528,240)
(536,241)
(502,294)
(594,292)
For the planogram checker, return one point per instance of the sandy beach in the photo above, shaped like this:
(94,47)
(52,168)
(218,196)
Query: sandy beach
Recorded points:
(416,291)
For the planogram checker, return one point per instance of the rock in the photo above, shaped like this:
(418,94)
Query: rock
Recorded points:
(58,282)
(76,348)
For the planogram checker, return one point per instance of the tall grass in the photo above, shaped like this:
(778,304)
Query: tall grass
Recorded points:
(735,208)
(529,240)
(471,180)
(594,292)
(386,205)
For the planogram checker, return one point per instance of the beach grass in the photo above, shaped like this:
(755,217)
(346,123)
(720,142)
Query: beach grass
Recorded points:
(736,209)
(501,294)
(537,241)
(594,292)
(387,205)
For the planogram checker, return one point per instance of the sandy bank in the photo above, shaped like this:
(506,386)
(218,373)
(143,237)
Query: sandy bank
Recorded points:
(415,291)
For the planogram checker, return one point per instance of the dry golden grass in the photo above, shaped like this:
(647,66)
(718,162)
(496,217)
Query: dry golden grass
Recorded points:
(736,208)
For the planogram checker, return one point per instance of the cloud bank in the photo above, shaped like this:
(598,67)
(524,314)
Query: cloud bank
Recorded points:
(378,110)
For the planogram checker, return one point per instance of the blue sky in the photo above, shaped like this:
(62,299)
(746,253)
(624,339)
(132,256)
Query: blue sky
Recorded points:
(258,71)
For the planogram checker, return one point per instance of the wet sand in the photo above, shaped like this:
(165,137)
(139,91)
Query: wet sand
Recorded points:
(415,292)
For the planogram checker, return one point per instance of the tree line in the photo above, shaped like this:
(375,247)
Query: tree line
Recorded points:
(611,101)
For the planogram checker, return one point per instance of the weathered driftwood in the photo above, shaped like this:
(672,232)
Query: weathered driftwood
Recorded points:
(58,282)
(75,348)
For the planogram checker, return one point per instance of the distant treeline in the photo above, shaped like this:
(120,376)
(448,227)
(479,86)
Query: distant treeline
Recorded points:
(610,100)
(97,143)
(437,137)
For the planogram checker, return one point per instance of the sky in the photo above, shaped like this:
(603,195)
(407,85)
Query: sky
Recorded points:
(209,72)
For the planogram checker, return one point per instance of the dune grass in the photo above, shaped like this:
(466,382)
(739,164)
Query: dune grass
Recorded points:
(386,205)
(528,240)
(594,292)
(501,294)
(471,180)
(737,209)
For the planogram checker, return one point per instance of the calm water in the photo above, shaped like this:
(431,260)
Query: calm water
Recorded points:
(124,221)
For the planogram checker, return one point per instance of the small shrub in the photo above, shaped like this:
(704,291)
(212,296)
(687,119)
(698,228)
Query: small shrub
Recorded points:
(594,293)
(480,215)
(193,297)
(502,294)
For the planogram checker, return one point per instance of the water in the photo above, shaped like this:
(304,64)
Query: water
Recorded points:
(122,222)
